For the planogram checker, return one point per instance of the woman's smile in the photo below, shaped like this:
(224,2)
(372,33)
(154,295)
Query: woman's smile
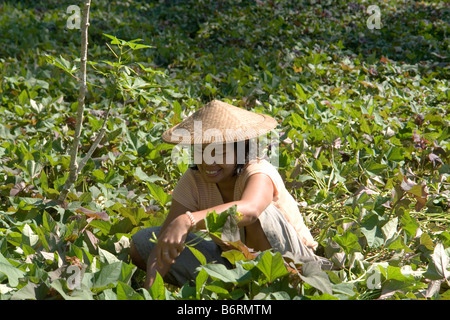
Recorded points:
(212,173)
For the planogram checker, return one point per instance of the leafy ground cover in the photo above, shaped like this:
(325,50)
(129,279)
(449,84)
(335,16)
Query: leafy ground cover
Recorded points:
(364,146)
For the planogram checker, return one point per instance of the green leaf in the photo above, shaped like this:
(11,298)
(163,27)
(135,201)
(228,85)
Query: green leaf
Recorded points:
(31,291)
(230,230)
(158,193)
(272,265)
(108,275)
(158,290)
(313,275)
(348,241)
(200,257)
(62,64)
(28,236)
(23,97)
(409,224)
(300,92)
(13,273)
(200,281)
(439,265)
(371,229)
(224,225)
(375,168)
(220,272)
(106,257)
(60,285)
(395,154)
(214,223)
(141,175)
(390,229)
(125,292)
(217,289)
(233,256)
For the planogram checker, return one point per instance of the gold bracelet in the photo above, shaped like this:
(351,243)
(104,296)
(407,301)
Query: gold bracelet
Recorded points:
(191,217)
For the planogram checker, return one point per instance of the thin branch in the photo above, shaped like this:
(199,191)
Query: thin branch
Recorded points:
(96,142)
(73,174)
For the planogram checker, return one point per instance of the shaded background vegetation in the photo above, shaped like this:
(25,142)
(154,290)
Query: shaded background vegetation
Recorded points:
(364,116)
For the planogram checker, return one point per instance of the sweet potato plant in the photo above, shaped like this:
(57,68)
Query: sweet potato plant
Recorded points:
(364,147)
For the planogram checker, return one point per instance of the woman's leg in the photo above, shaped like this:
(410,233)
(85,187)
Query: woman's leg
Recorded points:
(283,238)
(255,237)
(184,268)
(136,257)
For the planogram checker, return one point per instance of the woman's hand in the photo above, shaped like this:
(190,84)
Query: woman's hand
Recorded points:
(171,240)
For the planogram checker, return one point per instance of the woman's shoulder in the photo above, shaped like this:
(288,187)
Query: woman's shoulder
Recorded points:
(258,165)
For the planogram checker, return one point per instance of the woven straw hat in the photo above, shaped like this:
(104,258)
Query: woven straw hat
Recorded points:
(219,122)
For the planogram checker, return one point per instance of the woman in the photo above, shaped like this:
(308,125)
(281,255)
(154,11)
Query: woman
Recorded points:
(222,178)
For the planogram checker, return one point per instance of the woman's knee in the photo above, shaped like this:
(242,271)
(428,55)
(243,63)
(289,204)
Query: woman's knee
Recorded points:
(141,246)
(256,238)
(136,258)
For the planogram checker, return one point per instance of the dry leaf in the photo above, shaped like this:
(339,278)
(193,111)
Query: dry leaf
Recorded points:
(93,214)
(75,261)
(297,69)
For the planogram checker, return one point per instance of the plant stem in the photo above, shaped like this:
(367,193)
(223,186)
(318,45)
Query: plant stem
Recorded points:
(73,174)
(96,142)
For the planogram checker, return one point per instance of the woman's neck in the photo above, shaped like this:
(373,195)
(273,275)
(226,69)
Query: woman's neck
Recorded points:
(226,188)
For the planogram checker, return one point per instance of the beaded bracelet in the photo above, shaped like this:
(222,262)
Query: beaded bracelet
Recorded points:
(191,217)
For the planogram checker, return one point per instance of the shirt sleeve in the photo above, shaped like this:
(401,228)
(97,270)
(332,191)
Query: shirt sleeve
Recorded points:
(267,169)
(186,191)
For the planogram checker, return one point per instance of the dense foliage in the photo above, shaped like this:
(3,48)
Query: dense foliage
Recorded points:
(364,149)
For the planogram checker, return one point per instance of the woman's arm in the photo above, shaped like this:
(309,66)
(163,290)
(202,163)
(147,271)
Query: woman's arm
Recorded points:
(153,265)
(258,194)
(176,209)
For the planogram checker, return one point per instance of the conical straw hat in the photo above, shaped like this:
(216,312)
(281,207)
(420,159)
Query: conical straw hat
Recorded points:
(219,122)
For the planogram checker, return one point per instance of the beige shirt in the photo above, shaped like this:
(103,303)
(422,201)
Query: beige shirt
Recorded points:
(193,192)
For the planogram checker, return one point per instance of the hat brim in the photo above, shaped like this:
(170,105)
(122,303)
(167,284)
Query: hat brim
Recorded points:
(180,134)
(219,122)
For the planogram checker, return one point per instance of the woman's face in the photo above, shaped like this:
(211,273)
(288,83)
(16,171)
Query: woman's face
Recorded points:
(218,162)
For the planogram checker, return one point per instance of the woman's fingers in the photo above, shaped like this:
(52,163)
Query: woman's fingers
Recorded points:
(171,243)
(168,253)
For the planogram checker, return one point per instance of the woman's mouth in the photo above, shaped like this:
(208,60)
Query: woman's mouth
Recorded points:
(212,173)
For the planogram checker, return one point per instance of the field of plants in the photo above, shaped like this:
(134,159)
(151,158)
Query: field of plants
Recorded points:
(364,146)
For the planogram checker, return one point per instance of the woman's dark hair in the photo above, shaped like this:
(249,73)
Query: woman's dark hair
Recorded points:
(239,166)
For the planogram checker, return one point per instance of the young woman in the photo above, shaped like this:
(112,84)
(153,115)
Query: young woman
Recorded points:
(222,178)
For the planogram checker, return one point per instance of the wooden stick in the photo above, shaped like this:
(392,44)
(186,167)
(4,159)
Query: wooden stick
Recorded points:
(74,170)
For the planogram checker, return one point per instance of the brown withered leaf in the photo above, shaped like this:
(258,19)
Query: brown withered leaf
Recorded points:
(71,238)
(102,215)
(384,60)
(240,246)
(92,238)
(433,158)
(297,69)
(373,72)
(419,192)
(18,187)
(422,199)
(75,261)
